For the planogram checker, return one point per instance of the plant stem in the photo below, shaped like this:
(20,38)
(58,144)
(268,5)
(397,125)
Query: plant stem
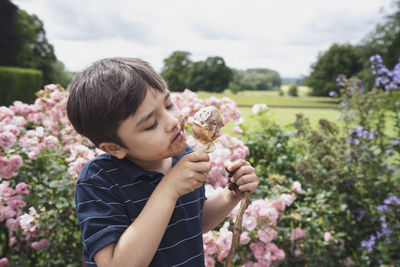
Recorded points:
(238,228)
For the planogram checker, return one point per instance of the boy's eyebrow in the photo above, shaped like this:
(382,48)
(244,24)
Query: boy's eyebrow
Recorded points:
(148,116)
(145,118)
(167,96)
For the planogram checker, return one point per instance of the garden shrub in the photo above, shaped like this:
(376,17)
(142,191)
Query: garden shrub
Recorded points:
(19,84)
(41,156)
(293,90)
(328,196)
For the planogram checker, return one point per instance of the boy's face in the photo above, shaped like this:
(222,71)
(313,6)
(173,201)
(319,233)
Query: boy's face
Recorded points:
(155,131)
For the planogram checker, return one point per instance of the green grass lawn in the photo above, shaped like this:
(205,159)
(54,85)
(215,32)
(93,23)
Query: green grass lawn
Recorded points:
(286,116)
(285,108)
(272,98)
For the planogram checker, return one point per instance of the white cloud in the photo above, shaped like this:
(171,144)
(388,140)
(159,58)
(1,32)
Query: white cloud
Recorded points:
(284,35)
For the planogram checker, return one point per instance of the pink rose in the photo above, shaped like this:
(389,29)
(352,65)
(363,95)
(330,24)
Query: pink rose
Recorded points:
(12,224)
(297,187)
(280,254)
(16,162)
(297,233)
(249,222)
(244,238)
(3,261)
(267,235)
(6,112)
(286,199)
(297,252)
(7,139)
(51,141)
(258,250)
(44,243)
(22,188)
(6,168)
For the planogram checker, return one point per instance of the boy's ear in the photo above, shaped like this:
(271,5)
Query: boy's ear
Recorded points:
(113,149)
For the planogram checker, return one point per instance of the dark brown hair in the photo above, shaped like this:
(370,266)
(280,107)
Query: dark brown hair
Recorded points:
(108,92)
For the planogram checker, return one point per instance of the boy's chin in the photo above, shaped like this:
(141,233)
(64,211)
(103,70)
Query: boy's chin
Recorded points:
(179,150)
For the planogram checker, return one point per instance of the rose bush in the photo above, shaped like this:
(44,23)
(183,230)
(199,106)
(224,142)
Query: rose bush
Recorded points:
(41,156)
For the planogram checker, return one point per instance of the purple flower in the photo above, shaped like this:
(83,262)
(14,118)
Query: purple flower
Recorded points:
(391,168)
(395,142)
(331,93)
(390,80)
(341,79)
(369,244)
(382,208)
(392,200)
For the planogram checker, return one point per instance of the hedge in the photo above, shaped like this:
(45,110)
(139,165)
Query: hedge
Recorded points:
(19,84)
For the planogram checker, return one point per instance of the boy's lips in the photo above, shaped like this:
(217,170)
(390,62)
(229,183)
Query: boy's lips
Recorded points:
(177,137)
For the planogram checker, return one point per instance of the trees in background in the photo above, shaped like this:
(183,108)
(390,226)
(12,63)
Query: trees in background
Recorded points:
(339,59)
(214,75)
(23,43)
(210,75)
(354,60)
(180,72)
(255,79)
(176,70)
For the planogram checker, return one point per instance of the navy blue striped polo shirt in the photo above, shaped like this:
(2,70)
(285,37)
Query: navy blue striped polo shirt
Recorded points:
(111,193)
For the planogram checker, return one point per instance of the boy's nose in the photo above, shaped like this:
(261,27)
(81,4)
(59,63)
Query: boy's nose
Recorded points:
(174,121)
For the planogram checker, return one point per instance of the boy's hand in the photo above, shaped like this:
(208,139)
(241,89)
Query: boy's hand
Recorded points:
(188,174)
(244,176)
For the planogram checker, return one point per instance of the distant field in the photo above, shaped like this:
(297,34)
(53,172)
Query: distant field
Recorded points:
(272,98)
(285,108)
(286,116)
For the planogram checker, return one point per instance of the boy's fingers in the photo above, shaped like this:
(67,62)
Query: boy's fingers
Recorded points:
(235,165)
(250,187)
(198,156)
(243,170)
(203,166)
(246,179)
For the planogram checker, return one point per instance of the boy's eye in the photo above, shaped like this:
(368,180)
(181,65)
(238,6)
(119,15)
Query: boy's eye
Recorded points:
(169,106)
(153,126)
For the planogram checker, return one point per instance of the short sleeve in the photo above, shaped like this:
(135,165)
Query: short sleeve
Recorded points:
(101,214)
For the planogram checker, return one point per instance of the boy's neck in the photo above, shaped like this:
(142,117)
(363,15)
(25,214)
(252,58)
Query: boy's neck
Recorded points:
(162,166)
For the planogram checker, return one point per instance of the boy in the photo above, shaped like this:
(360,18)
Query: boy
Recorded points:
(142,202)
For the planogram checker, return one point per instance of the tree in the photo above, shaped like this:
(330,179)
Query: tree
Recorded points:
(9,39)
(293,90)
(385,39)
(176,70)
(255,79)
(339,59)
(36,51)
(210,75)
(23,43)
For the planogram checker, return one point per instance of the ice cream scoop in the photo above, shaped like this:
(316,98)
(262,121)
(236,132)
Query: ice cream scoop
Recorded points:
(207,124)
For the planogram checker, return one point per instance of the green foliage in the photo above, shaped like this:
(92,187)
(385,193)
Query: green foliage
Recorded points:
(210,75)
(10,40)
(271,150)
(52,190)
(385,39)
(19,84)
(176,70)
(24,44)
(255,79)
(346,174)
(293,90)
(339,59)
(60,74)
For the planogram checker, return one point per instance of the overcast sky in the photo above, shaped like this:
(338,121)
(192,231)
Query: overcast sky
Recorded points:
(283,35)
